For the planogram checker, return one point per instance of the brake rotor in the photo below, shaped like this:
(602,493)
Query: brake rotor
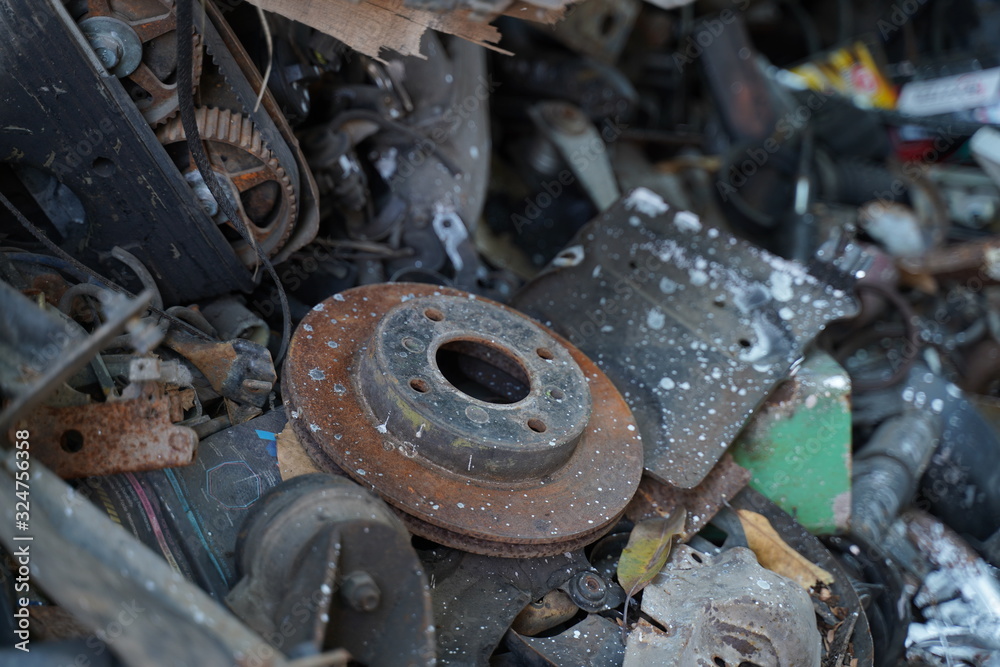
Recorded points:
(259,187)
(482,428)
(152,25)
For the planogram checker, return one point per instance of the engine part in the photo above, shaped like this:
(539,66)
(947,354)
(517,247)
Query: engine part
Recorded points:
(573,136)
(134,432)
(695,327)
(136,40)
(701,503)
(888,469)
(93,133)
(798,446)
(476,598)
(40,352)
(725,610)
(321,555)
(850,637)
(256,183)
(593,641)
(158,618)
(239,369)
(959,600)
(485,430)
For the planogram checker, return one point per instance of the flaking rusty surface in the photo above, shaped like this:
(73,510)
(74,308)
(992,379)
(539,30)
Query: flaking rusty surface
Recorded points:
(702,503)
(128,435)
(533,516)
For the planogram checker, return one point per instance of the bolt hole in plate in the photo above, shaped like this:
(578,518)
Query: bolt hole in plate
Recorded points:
(71,441)
(455,416)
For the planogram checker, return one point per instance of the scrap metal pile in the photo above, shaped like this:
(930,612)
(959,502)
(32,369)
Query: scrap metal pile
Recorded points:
(654,333)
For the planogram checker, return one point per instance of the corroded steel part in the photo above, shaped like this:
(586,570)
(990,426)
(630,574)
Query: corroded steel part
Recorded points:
(487,431)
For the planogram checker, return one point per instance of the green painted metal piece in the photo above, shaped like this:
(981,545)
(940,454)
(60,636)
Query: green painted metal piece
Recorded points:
(798,445)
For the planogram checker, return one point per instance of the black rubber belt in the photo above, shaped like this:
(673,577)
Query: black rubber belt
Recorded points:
(185,84)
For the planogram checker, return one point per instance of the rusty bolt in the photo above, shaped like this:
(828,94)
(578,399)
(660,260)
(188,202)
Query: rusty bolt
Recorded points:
(588,590)
(360,591)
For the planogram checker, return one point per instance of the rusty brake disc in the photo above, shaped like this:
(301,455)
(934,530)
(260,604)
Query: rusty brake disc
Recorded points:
(485,430)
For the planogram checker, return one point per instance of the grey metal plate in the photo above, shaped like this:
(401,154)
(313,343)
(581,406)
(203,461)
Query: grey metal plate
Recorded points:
(694,326)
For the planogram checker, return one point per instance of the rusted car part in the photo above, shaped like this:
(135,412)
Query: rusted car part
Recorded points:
(321,555)
(257,184)
(239,369)
(971,260)
(593,641)
(849,637)
(476,598)
(240,75)
(135,40)
(171,621)
(201,262)
(485,431)
(702,503)
(191,516)
(725,610)
(84,150)
(959,600)
(132,433)
(695,327)
(40,352)
(545,613)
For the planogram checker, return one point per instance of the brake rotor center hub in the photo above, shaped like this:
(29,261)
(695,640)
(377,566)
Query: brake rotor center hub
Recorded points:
(485,395)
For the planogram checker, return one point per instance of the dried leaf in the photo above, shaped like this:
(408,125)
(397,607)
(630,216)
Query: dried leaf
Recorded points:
(774,554)
(647,550)
(292,458)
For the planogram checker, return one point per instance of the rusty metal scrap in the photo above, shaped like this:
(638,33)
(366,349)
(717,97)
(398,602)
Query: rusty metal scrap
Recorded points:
(240,370)
(655,498)
(135,433)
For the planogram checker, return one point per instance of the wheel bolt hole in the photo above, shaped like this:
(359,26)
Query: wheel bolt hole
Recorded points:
(557,394)
(434,315)
(537,425)
(418,385)
(545,353)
